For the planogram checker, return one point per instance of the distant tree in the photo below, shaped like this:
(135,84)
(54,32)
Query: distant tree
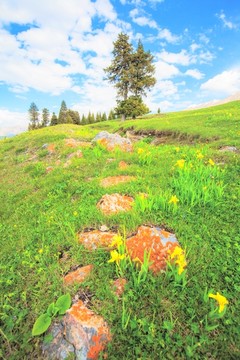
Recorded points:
(34,117)
(132,107)
(62,117)
(104,117)
(84,120)
(45,117)
(54,119)
(158,110)
(111,115)
(98,117)
(74,115)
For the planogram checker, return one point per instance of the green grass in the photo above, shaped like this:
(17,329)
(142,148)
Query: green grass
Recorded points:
(41,213)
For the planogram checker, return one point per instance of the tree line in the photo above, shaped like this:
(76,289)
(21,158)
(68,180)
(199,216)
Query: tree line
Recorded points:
(65,116)
(131,72)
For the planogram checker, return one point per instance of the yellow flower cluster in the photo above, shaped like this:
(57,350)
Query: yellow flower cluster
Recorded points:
(222,301)
(117,241)
(211,162)
(180,163)
(179,256)
(140,151)
(116,257)
(174,200)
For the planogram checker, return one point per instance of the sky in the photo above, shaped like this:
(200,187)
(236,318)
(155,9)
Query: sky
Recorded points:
(54,50)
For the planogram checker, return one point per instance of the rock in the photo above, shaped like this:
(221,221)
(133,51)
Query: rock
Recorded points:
(103,228)
(78,276)
(51,148)
(119,286)
(67,163)
(228,148)
(122,165)
(114,180)
(81,335)
(159,242)
(96,239)
(112,141)
(75,143)
(115,203)
(77,154)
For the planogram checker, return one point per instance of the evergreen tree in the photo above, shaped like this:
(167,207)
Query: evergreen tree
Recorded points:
(74,115)
(45,117)
(118,71)
(131,73)
(54,119)
(98,117)
(111,115)
(158,110)
(142,71)
(84,120)
(62,117)
(33,114)
(104,117)
(133,107)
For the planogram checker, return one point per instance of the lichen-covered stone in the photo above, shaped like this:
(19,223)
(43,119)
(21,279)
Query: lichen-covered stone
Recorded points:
(77,154)
(114,180)
(96,239)
(159,242)
(112,141)
(115,203)
(122,165)
(81,335)
(79,275)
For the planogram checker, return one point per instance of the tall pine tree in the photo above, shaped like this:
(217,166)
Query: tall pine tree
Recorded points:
(45,117)
(62,117)
(34,117)
(54,119)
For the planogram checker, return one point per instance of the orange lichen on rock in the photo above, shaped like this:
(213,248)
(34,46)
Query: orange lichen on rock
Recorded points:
(49,169)
(122,165)
(95,239)
(90,332)
(78,276)
(51,148)
(114,180)
(119,286)
(111,146)
(159,242)
(115,203)
(77,154)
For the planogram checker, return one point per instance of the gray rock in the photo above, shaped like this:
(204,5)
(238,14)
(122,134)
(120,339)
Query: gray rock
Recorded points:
(228,148)
(113,140)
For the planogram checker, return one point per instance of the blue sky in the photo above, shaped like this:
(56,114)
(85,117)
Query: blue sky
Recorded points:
(56,50)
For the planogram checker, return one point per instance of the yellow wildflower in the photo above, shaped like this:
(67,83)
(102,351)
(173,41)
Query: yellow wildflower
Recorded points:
(177,149)
(200,156)
(116,257)
(180,163)
(75,213)
(40,251)
(117,241)
(176,252)
(140,151)
(222,301)
(174,200)
(211,162)
(181,262)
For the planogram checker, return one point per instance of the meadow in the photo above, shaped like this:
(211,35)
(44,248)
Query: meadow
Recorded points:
(192,190)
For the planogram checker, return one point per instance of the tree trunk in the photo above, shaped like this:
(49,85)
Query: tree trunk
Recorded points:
(123,117)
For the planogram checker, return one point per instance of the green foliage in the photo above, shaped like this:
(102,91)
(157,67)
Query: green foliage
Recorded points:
(132,107)
(43,322)
(34,116)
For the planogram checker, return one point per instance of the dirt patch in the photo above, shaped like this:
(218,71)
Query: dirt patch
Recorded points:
(114,180)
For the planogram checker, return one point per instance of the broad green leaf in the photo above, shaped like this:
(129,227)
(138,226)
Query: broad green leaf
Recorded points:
(63,303)
(41,324)
(50,309)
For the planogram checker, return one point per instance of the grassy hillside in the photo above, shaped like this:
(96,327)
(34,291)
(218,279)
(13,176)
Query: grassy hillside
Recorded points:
(47,199)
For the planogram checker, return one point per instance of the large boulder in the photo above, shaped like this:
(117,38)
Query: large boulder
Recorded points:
(112,141)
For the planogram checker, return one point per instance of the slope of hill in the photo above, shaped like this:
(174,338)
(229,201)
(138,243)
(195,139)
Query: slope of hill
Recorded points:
(230,98)
(51,188)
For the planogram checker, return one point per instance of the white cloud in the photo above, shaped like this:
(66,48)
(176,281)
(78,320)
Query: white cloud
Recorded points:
(194,47)
(181,58)
(164,70)
(195,73)
(166,34)
(142,20)
(12,122)
(226,23)
(226,83)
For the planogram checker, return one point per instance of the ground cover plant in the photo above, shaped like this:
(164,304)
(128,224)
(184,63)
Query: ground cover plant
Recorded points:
(189,187)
